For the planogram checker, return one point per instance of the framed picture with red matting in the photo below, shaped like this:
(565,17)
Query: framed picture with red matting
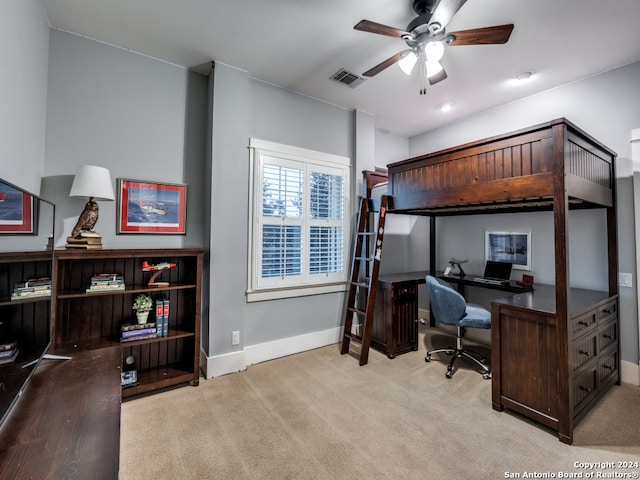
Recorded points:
(151,207)
(17,211)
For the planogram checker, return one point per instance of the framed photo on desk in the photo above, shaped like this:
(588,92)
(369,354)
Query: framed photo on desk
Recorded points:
(513,247)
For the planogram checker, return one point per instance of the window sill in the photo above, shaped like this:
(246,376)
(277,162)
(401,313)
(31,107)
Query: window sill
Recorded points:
(262,295)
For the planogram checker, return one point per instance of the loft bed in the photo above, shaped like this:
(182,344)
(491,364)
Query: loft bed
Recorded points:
(556,167)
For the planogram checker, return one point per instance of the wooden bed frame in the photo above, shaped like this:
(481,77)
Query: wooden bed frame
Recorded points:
(553,166)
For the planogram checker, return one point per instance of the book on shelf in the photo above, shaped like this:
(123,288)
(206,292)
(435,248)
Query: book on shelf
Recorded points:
(127,327)
(138,333)
(165,317)
(107,277)
(34,294)
(9,356)
(34,282)
(84,241)
(159,316)
(104,288)
(134,338)
(35,288)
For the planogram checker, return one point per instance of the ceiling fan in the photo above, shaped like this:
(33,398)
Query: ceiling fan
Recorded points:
(426,38)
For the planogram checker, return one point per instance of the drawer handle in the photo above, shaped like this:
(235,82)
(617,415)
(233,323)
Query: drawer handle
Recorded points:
(585,389)
(583,322)
(607,336)
(608,311)
(608,367)
(584,353)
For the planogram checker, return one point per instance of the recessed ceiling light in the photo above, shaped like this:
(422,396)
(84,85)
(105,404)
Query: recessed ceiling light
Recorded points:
(445,107)
(523,76)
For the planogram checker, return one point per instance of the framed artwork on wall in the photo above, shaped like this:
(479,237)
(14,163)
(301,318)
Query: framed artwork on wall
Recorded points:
(151,207)
(513,247)
(17,211)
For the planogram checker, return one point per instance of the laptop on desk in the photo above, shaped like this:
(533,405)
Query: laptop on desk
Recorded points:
(496,273)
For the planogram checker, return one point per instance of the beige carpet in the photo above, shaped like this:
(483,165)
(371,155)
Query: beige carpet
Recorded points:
(318,415)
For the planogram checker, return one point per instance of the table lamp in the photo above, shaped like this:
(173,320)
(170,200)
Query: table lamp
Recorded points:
(93,182)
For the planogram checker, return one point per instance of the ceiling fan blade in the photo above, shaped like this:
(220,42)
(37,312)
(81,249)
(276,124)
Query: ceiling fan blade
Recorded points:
(373,27)
(438,77)
(483,36)
(387,63)
(445,10)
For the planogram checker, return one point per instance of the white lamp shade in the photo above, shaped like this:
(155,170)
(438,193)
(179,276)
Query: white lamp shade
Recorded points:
(407,62)
(92,181)
(434,51)
(433,68)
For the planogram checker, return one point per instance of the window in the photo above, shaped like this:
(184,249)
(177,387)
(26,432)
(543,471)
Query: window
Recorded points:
(299,221)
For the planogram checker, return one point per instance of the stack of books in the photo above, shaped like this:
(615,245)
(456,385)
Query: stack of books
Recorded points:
(102,282)
(138,331)
(88,240)
(34,287)
(8,352)
(162,317)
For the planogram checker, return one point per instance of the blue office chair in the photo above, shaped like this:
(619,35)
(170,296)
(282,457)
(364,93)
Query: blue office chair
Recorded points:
(450,308)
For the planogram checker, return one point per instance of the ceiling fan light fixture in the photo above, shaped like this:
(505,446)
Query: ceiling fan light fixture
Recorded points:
(434,51)
(407,62)
(433,68)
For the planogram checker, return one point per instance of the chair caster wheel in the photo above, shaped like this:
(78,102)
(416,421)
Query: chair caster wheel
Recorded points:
(486,376)
(448,375)
(427,358)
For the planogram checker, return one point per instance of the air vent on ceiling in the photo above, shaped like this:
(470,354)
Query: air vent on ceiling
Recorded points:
(347,78)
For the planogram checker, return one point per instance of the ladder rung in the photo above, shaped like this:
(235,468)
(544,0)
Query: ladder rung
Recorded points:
(364,258)
(354,336)
(366,233)
(360,284)
(357,311)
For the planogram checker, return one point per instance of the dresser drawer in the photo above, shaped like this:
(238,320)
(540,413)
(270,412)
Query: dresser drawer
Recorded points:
(583,350)
(584,322)
(607,311)
(584,388)
(607,366)
(607,335)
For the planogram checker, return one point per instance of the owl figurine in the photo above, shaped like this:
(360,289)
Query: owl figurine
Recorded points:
(87,219)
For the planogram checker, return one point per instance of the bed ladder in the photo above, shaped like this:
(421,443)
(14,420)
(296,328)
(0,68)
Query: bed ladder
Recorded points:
(363,283)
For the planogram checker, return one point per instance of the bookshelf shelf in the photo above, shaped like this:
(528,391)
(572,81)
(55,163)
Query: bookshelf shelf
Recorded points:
(90,321)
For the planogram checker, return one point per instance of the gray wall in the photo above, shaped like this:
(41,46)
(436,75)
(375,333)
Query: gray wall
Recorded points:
(141,118)
(606,107)
(24,51)
(242,108)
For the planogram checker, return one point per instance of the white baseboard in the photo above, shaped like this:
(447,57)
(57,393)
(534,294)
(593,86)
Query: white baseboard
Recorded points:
(233,362)
(629,371)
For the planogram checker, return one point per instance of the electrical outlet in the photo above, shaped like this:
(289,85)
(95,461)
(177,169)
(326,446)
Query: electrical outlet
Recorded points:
(235,337)
(625,279)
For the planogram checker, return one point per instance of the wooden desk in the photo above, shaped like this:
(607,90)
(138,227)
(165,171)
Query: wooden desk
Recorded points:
(395,327)
(67,422)
(468,280)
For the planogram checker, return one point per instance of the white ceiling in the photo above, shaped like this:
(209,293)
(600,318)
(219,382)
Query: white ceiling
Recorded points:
(300,44)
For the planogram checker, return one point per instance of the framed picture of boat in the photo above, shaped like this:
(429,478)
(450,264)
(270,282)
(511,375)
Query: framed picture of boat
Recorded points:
(151,207)
(17,211)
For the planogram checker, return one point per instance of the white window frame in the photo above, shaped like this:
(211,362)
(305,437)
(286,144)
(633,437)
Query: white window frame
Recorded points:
(261,152)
